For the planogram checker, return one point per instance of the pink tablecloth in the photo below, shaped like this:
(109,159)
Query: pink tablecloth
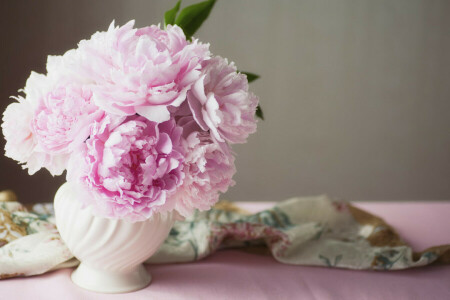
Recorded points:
(234,274)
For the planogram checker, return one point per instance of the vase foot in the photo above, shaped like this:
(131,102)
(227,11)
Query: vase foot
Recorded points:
(108,282)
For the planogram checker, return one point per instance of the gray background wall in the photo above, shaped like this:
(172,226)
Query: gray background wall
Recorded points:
(356,93)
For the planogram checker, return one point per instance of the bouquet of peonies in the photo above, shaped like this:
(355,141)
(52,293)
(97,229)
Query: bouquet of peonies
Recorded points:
(142,119)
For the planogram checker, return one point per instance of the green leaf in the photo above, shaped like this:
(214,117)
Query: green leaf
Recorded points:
(169,16)
(250,76)
(259,113)
(192,17)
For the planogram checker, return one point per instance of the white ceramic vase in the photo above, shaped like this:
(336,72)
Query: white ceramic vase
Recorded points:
(111,252)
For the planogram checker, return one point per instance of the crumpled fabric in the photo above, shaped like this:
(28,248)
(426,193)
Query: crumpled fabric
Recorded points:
(314,231)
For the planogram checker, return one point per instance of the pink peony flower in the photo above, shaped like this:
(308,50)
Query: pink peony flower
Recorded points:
(17,130)
(130,164)
(44,128)
(221,103)
(61,121)
(22,143)
(208,167)
(141,70)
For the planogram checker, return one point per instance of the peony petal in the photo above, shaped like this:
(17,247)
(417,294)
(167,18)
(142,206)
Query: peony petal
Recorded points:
(157,113)
(164,144)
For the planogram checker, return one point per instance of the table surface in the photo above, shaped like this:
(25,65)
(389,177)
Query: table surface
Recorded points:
(232,274)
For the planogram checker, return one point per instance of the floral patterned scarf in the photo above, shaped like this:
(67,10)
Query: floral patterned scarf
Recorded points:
(300,231)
